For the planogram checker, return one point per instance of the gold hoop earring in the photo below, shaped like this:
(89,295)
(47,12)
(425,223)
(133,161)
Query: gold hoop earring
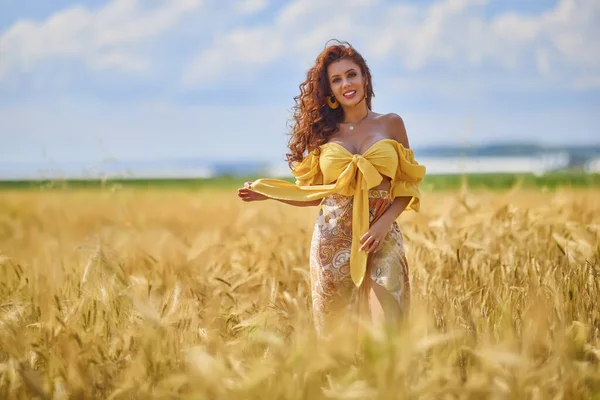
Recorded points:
(333,104)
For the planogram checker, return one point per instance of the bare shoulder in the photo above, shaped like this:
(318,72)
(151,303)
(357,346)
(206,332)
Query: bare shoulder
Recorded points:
(394,128)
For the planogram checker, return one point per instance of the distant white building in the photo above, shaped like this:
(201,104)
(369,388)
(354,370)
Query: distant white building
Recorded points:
(517,164)
(592,166)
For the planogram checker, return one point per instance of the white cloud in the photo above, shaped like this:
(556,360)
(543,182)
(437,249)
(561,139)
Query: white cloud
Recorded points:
(560,40)
(444,22)
(248,46)
(557,44)
(250,6)
(109,38)
(298,30)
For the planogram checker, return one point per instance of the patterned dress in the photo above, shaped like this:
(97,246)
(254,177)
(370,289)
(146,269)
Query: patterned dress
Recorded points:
(385,296)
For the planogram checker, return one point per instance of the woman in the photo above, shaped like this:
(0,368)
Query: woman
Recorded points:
(357,165)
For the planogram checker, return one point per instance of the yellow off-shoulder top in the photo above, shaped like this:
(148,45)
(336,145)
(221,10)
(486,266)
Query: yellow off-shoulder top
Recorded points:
(337,170)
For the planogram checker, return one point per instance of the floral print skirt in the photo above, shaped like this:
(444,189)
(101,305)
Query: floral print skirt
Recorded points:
(384,295)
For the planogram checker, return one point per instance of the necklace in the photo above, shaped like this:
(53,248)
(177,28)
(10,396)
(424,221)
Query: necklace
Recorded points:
(353,125)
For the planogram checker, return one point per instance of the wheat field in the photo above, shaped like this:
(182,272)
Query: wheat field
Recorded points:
(147,293)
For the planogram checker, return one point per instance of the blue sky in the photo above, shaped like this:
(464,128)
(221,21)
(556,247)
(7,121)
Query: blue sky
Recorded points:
(213,79)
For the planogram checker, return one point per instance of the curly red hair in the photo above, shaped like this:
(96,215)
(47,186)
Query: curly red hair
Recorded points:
(313,120)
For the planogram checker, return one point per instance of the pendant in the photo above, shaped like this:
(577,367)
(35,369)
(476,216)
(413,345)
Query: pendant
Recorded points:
(351,127)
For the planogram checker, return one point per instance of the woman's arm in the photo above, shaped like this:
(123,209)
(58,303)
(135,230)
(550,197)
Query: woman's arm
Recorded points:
(394,210)
(396,130)
(373,239)
(246,194)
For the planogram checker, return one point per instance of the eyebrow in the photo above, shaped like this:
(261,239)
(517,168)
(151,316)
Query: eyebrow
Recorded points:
(351,69)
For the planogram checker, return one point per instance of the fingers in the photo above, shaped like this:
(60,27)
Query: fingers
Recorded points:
(244,194)
(247,194)
(371,245)
(374,245)
(364,242)
(367,243)
(365,237)
(378,246)
(245,189)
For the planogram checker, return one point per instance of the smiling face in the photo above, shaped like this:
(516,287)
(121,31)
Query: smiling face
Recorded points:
(346,81)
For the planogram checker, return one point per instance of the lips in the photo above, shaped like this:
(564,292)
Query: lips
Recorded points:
(349,94)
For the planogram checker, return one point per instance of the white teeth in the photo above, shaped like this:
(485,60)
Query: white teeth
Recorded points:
(350,93)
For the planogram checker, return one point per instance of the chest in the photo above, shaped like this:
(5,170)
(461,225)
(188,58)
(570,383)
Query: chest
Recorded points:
(357,144)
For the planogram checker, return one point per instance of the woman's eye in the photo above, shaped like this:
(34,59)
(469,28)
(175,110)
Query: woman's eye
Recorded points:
(336,80)
(352,74)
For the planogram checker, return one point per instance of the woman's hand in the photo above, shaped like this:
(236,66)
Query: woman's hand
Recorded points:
(373,239)
(246,194)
